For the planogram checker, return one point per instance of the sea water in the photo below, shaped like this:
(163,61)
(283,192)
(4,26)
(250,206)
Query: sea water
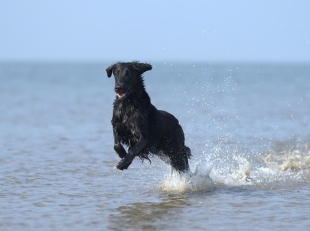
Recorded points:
(247,125)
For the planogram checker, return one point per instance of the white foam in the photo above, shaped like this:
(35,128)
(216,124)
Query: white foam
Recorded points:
(231,175)
(235,170)
(278,170)
(199,181)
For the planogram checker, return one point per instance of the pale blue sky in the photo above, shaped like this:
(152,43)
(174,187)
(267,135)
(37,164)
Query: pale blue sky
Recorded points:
(144,30)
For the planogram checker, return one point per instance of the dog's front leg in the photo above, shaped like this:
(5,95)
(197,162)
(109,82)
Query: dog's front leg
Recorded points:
(117,145)
(132,153)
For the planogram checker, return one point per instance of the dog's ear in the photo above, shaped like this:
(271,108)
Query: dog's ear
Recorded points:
(110,69)
(141,67)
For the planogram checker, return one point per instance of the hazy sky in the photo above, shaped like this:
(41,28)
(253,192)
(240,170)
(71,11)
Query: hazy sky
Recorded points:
(208,30)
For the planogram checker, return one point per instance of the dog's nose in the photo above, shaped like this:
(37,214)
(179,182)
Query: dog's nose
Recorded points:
(118,88)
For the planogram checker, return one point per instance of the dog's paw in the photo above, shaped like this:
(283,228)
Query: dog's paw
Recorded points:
(123,164)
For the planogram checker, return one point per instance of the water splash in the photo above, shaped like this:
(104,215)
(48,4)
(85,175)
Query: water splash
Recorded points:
(236,172)
(225,168)
(265,171)
(197,181)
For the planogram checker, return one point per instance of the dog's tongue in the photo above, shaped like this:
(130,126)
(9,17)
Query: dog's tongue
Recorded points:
(120,94)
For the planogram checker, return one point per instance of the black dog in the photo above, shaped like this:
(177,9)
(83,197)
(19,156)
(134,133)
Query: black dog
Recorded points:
(139,125)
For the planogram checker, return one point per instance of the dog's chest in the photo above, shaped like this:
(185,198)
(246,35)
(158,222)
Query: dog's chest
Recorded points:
(125,120)
(124,115)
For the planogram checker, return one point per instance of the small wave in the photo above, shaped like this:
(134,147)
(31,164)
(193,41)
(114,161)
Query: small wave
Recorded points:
(293,160)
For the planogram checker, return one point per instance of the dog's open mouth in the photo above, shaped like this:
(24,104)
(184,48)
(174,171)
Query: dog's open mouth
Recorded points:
(120,94)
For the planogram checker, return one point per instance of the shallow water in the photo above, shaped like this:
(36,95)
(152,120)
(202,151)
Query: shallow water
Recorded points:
(247,125)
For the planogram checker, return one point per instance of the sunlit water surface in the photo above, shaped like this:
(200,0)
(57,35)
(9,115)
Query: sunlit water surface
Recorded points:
(247,125)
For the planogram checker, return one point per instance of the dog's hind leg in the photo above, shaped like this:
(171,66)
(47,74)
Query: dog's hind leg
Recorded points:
(179,159)
(180,163)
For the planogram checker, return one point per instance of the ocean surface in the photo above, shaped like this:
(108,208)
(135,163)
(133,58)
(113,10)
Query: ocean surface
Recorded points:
(248,126)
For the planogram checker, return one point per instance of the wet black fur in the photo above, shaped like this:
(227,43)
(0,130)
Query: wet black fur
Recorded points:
(138,125)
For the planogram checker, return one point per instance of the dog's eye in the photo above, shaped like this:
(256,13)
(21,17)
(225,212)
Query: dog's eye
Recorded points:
(127,74)
(116,73)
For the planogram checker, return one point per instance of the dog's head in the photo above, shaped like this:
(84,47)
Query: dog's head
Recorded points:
(128,77)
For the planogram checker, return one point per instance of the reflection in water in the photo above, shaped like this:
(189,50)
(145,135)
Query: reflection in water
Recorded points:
(149,215)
